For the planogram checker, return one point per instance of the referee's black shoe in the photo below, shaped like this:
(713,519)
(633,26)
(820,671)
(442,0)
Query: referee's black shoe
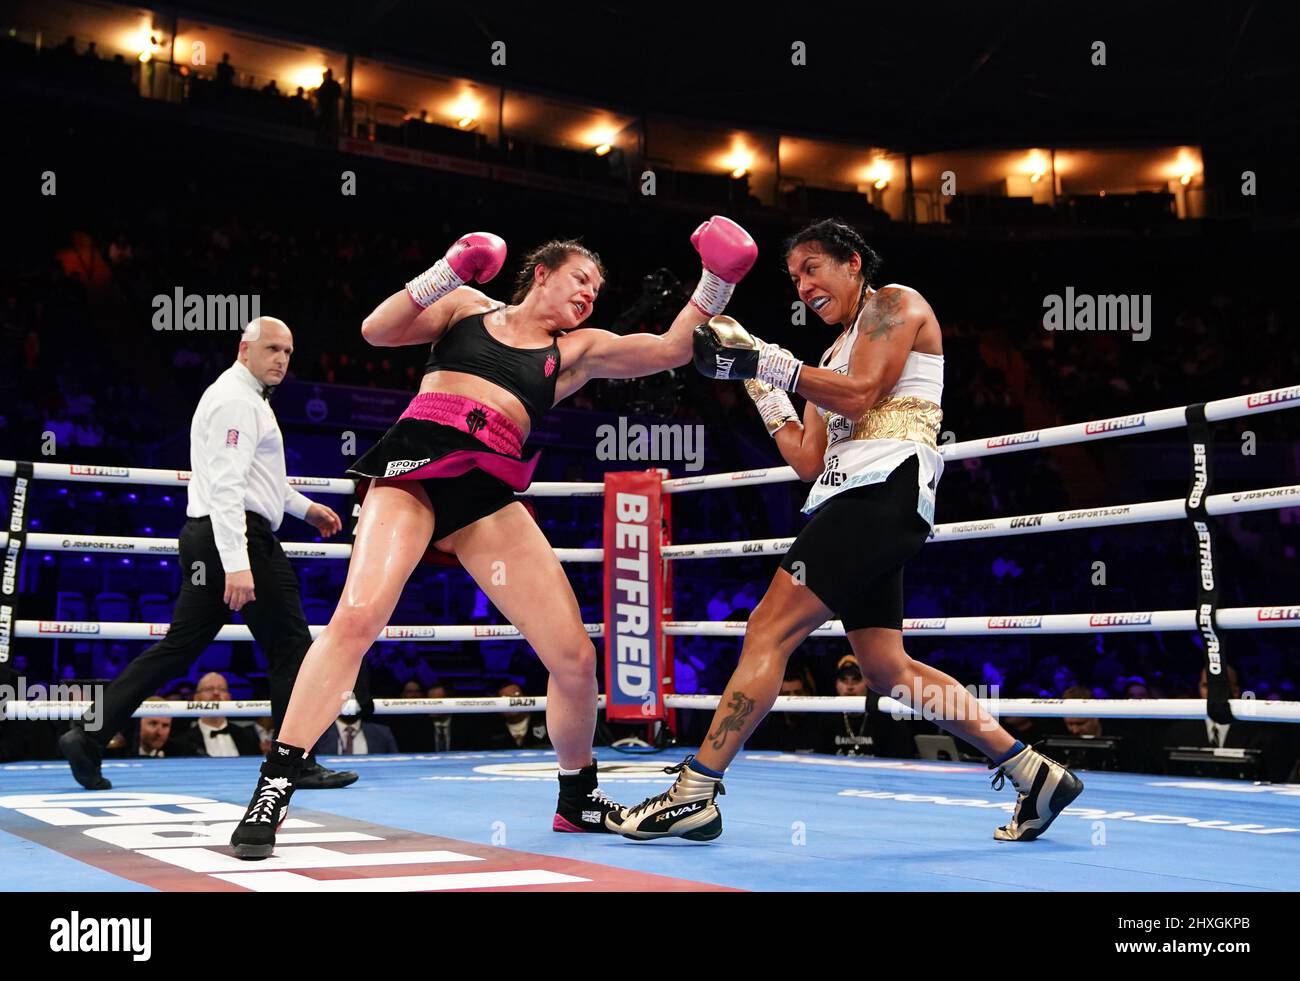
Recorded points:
(316,777)
(85,756)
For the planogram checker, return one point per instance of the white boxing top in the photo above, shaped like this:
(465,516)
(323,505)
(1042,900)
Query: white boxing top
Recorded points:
(850,462)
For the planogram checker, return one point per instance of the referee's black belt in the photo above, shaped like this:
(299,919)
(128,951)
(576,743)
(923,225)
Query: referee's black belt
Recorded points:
(251,520)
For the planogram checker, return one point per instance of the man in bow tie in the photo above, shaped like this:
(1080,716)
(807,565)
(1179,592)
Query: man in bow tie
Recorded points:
(215,735)
(230,558)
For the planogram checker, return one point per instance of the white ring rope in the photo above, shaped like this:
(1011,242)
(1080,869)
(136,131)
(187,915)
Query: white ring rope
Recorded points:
(1078,432)
(1256,710)
(1264,499)
(1229,618)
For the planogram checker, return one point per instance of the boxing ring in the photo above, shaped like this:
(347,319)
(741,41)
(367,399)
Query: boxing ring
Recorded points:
(799,822)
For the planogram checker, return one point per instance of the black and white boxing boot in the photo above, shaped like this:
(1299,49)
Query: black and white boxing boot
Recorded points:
(254,836)
(1044,789)
(687,809)
(583,806)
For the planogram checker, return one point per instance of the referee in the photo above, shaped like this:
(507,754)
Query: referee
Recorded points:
(230,558)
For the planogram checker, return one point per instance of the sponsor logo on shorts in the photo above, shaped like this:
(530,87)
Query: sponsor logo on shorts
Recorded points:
(1273,398)
(1014,623)
(397,467)
(1033,521)
(1115,425)
(1269,614)
(1118,619)
(56,627)
(1012,440)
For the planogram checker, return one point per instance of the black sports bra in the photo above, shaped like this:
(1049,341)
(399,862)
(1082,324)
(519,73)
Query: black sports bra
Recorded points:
(527,373)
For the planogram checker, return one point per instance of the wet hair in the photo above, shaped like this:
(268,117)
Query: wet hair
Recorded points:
(839,240)
(552,255)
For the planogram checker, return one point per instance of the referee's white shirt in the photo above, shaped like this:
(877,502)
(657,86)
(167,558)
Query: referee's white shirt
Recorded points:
(237,464)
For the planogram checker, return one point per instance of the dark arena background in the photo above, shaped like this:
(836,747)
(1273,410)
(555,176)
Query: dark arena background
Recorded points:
(1117,580)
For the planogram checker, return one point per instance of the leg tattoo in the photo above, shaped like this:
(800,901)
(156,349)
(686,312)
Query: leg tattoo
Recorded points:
(742,707)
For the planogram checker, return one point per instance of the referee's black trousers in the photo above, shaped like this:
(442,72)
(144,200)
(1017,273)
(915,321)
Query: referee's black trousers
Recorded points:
(275,618)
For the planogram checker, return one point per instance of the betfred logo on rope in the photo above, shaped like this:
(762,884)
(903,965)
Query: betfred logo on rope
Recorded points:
(993,442)
(633,576)
(1274,397)
(1269,614)
(1014,623)
(1118,619)
(1114,425)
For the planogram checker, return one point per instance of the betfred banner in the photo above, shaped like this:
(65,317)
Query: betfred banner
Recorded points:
(633,676)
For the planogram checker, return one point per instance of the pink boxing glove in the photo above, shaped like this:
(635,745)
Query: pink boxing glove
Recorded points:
(475,257)
(728,252)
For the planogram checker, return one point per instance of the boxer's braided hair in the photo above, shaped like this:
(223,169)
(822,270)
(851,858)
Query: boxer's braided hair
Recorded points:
(552,255)
(839,240)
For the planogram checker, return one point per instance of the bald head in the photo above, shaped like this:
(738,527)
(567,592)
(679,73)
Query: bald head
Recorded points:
(265,349)
(212,687)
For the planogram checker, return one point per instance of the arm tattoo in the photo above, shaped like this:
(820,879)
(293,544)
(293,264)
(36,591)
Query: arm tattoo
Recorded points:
(884,314)
(742,707)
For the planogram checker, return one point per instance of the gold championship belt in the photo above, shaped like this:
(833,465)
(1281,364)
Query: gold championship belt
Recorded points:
(901,417)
